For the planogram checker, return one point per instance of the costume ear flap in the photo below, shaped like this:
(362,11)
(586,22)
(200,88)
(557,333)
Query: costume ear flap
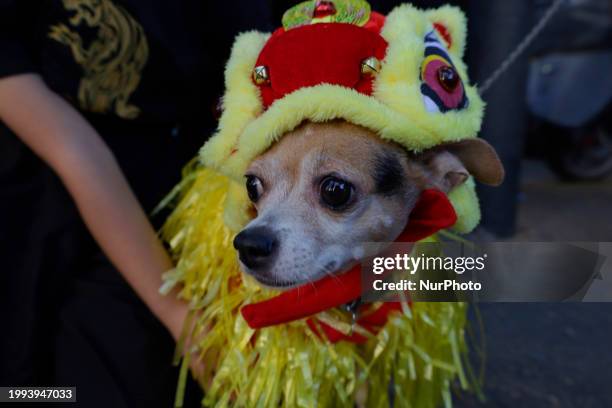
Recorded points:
(451,26)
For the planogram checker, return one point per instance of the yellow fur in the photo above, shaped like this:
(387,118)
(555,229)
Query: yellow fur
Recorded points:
(466,206)
(456,23)
(241,102)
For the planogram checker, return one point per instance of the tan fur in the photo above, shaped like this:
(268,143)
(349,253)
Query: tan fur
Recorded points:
(340,148)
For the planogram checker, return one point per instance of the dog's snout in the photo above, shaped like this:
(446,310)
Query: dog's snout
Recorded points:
(256,246)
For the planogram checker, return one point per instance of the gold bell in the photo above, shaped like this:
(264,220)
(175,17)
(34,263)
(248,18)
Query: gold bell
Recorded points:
(370,66)
(260,75)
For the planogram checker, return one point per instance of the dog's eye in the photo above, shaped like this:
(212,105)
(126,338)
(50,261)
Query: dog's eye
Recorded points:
(254,188)
(336,193)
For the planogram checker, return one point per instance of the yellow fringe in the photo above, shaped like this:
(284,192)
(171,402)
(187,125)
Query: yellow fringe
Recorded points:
(418,354)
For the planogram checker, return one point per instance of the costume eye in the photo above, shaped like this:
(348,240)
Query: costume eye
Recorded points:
(441,86)
(254,187)
(448,78)
(336,193)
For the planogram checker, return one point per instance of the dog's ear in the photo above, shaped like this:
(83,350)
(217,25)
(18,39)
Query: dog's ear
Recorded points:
(443,169)
(480,160)
(451,164)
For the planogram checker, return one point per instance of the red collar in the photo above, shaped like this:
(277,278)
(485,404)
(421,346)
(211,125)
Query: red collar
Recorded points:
(432,213)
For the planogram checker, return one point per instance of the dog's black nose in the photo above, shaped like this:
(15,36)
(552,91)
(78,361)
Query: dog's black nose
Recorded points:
(256,246)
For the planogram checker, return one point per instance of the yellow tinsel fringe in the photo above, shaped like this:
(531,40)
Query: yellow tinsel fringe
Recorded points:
(414,360)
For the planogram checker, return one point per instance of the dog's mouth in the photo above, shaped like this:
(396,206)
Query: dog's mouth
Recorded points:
(274,283)
(282,284)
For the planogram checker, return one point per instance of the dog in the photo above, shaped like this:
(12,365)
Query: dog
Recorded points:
(326,188)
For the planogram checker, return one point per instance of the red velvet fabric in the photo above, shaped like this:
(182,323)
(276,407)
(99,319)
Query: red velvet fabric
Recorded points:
(314,54)
(432,213)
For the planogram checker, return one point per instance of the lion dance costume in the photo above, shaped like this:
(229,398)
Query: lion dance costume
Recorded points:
(399,75)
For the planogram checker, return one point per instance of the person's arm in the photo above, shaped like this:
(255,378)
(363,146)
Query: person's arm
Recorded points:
(57,133)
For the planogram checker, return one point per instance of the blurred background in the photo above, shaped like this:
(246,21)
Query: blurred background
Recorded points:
(549,116)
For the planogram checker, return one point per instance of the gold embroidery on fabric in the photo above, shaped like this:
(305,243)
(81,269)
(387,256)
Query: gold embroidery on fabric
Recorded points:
(112,62)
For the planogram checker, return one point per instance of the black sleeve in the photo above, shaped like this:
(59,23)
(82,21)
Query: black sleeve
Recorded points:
(17,33)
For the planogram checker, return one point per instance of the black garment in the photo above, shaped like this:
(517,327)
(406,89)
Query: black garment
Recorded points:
(163,58)
(68,317)
(146,74)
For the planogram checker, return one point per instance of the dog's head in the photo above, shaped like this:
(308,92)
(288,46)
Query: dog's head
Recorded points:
(326,188)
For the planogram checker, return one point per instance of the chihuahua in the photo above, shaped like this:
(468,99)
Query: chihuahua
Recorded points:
(326,188)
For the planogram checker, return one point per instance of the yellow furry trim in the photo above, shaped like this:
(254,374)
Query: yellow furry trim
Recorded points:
(421,349)
(465,202)
(326,102)
(455,22)
(241,103)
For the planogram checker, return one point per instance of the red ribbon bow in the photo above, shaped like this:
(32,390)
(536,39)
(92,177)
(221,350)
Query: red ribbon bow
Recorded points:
(432,213)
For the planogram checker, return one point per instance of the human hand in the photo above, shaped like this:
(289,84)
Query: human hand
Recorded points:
(181,323)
